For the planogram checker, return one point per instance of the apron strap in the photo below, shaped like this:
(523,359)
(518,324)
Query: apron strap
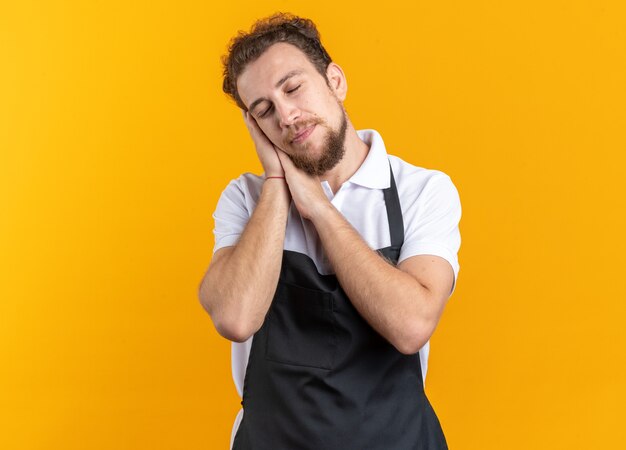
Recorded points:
(394,212)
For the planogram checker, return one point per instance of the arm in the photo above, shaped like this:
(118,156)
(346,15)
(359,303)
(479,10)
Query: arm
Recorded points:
(403,304)
(240,283)
(241,280)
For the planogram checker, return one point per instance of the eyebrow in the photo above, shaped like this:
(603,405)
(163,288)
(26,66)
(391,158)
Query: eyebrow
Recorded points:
(280,82)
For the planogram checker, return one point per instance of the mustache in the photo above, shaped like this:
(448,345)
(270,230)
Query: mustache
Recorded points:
(291,134)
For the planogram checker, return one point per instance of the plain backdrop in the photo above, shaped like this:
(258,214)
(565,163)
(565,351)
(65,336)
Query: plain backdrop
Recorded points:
(116,142)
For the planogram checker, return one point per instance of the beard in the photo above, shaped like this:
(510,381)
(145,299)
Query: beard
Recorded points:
(332,153)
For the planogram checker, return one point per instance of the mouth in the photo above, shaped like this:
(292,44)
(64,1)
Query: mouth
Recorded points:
(300,137)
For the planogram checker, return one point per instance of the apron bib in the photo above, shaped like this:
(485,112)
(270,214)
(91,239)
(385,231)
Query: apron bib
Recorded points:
(319,377)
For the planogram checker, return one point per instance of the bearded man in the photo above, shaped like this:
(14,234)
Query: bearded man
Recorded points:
(331,270)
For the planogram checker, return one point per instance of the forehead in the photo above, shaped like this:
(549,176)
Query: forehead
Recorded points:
(261,75)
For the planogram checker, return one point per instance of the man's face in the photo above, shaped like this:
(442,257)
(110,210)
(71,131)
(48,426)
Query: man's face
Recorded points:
(294,106)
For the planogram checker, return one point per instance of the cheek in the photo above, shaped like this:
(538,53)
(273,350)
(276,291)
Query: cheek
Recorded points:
(328,106)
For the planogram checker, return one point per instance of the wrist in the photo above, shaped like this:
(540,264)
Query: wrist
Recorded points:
(276,186)
(322,213)
(274,175)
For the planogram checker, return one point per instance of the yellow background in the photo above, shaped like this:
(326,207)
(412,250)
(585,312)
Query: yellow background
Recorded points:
(116,142)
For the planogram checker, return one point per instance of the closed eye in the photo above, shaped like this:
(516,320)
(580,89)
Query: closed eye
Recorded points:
(264,113)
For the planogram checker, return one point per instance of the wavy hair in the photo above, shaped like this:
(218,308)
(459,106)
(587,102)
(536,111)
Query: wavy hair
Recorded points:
(246,47)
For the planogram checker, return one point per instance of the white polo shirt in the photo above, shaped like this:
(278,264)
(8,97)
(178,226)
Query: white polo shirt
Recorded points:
(431,211)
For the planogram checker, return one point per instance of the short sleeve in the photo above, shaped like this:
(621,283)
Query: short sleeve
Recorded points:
(231,215)
(431,222)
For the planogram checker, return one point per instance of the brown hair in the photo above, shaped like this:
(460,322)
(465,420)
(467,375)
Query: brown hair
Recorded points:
(280,27)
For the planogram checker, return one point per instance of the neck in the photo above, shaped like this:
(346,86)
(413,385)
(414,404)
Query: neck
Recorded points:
(356,152)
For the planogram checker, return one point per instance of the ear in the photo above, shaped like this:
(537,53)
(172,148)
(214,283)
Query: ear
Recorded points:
(337,80)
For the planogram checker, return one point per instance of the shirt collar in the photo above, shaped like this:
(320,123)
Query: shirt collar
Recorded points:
(374,172)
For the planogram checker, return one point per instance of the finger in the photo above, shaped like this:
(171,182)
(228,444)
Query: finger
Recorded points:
(285,160)
(252,122)
(252,125)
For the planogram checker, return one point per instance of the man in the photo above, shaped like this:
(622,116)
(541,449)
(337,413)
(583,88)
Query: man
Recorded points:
(330,272)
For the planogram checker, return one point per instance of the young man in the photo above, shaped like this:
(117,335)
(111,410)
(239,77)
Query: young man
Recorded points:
(330,272)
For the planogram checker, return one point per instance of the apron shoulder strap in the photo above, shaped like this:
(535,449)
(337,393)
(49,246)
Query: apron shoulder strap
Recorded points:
(394,212)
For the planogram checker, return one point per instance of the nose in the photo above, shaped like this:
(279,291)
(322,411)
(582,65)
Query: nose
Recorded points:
(287,112)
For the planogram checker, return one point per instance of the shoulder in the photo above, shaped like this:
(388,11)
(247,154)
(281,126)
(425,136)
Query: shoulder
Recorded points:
(246,186)
(247,182)
(240,195)
(234,208)
(415,182)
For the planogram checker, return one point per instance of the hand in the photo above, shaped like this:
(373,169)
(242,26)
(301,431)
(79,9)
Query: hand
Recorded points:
(306,190)
(265,149)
